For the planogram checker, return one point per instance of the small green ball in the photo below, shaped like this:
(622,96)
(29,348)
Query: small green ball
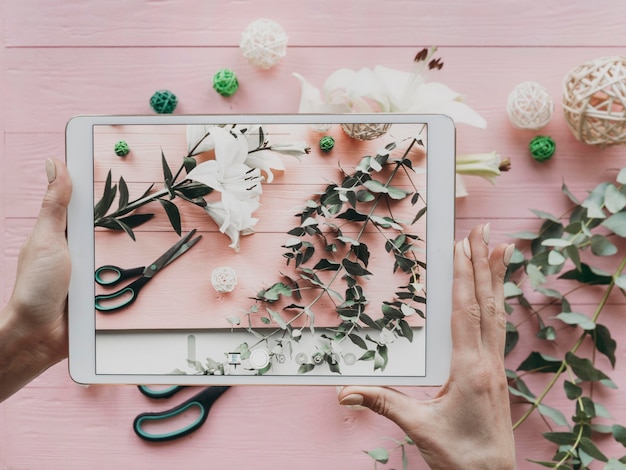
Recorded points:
(327,143)
(163,102)
(542,148)
(122,149)
(225,82)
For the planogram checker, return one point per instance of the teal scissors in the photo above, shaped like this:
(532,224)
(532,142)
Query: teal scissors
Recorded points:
(202,401)
(109,275)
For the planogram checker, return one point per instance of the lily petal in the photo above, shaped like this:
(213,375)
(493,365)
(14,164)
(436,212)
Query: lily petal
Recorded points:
(265,161)
(199,139)
(209,173)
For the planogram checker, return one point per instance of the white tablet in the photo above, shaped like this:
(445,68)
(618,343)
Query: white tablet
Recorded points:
(261,249)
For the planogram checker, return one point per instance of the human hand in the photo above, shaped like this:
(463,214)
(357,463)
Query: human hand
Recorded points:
(468,423)
(33,325)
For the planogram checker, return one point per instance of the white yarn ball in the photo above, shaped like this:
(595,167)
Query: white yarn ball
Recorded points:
(224,279)
(263,43)
(529,106)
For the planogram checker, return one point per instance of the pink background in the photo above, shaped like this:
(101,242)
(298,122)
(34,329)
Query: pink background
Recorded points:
(61,59)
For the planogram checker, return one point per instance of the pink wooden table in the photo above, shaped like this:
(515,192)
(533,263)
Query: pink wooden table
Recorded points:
(61,59)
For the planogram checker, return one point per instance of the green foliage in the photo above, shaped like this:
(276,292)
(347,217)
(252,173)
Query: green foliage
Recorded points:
(118,219)
(332,264)
(561,259)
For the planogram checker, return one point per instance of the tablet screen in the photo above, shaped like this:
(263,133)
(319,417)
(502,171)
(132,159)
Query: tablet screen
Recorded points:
(277,249)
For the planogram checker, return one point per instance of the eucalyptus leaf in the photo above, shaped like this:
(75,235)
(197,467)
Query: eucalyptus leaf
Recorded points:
(614,200)
(616,223)
(555,415)
(561,438)
(545,215)
(538,362)
(419,215)
(304,368)
(601,246)
(524,235)
(604,342)
(535,275)
(619,434)
(590,448)
(354,269)
(277,318)
(621,176)
(569,194)
(584,368)
(620,281)
(572,391)
(579,319)
(587,275)
(555,258)
(380,454)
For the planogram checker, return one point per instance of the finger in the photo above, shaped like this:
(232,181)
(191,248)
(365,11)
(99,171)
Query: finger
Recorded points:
(53,212)
(465,310)
(483,288)
(498,262)
(403,410)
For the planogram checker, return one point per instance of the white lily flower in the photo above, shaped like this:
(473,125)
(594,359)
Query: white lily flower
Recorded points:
(233,218)
(486,165)
(295,149)
(239,185)
(200,139)
(386,90)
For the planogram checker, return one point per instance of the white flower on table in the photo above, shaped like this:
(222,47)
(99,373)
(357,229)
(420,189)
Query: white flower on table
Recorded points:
(238,183)
(385,90)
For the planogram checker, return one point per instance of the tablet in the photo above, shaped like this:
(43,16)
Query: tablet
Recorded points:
(261,249)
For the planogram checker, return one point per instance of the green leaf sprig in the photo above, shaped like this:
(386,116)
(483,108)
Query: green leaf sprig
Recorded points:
(561,261)
(318,241)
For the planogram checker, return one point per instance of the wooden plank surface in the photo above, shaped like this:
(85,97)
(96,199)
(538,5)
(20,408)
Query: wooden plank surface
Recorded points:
(59,59)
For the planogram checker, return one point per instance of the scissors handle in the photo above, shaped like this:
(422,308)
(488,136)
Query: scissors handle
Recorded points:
(202,401)
(160,393)
(110,275)
(121,298)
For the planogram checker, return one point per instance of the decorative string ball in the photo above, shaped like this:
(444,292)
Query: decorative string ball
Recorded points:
(224,279)
(225,82)
(360,131)
(529,106)
(121,149)
(594,101)
(542,148)
(163,102)
(263,43)
(327,143)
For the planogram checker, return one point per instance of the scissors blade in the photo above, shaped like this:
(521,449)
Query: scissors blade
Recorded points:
(170,255)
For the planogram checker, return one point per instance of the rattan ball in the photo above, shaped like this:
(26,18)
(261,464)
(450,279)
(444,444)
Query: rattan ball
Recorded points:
(327,143)
(362,131)
(542,148)
(225,82)
(163,102)
(594,101)
(529,106)
(121,148)
(263,43)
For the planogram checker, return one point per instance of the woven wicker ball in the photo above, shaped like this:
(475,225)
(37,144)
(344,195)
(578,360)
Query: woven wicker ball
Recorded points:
(594,101)
(529,106)
(361,131)
(263,43)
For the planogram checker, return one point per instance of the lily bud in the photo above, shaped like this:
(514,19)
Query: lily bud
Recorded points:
(485,165)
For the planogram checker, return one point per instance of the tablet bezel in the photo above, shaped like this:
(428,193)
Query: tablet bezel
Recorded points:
(439,233)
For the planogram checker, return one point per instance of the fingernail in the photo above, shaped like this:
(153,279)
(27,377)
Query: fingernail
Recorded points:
(508,252)
(352,400)
(486,233)
(466,248)
(51,170)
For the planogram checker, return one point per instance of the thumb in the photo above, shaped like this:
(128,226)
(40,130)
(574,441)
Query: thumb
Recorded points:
(392,404)
(53,212)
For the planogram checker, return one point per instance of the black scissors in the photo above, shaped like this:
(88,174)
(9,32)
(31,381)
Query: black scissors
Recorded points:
(203,401)
(110,275)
